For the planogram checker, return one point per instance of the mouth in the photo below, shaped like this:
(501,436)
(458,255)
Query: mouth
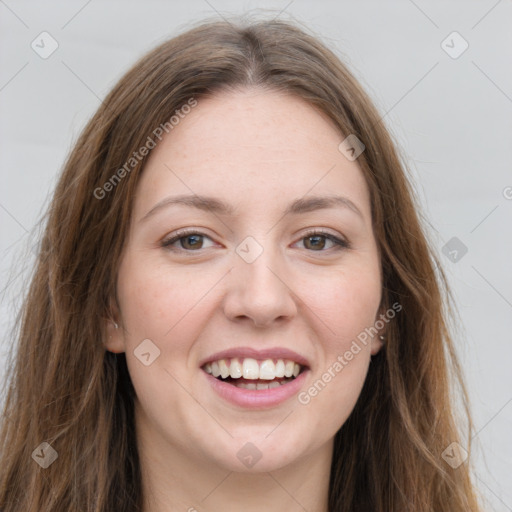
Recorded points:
(253,374)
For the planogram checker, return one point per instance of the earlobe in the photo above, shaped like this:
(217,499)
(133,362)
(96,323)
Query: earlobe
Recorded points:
(377,343)
(114,336)
(114,342)
(379,340)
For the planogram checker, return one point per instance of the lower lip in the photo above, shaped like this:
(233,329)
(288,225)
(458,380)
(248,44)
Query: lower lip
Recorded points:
(256,398)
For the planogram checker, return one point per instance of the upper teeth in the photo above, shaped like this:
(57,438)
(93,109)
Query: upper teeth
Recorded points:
(252,369)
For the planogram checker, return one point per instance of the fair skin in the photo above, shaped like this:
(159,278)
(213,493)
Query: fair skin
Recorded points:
(258,151)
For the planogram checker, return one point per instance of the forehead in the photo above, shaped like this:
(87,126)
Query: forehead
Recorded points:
(251,147)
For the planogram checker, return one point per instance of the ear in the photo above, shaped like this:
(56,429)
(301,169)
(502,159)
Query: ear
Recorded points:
(114,332)
(114,342)
(377,343)
(379,339)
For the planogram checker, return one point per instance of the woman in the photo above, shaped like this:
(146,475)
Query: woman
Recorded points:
(235,303)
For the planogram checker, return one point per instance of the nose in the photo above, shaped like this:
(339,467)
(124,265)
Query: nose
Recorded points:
(259,291)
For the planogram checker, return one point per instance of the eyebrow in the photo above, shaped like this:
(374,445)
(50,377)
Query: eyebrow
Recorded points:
(214,205)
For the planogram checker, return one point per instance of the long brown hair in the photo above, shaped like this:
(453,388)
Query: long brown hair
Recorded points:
(65,389)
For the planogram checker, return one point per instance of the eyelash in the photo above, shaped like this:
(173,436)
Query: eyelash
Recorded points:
(339,243)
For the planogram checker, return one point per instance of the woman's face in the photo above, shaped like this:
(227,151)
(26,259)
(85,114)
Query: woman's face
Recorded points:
(250,289)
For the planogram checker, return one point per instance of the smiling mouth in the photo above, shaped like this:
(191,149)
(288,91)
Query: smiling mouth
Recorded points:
(249,373)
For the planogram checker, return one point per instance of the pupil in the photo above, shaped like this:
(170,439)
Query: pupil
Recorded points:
(316,238)
(188,238)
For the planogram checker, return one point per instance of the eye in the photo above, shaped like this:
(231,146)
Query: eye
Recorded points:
(316,240)
(189,240)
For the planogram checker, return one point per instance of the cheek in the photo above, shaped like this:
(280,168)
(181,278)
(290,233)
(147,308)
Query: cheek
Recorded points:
(347,305)
(348,311)
(347,302)
(165,307)
(157,302)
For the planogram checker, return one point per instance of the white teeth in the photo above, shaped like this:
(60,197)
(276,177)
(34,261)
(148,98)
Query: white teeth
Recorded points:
(261,385)
(235,368)
(280,368)
(251,369)
(267,370)
(224,370)
(215,369)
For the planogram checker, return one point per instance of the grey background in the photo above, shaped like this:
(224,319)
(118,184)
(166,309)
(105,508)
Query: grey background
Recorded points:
(451,117)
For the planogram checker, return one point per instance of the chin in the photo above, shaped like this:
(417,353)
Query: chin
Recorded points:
(255,452)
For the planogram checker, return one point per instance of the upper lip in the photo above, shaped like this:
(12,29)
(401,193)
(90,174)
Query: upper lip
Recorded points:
(270,353)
